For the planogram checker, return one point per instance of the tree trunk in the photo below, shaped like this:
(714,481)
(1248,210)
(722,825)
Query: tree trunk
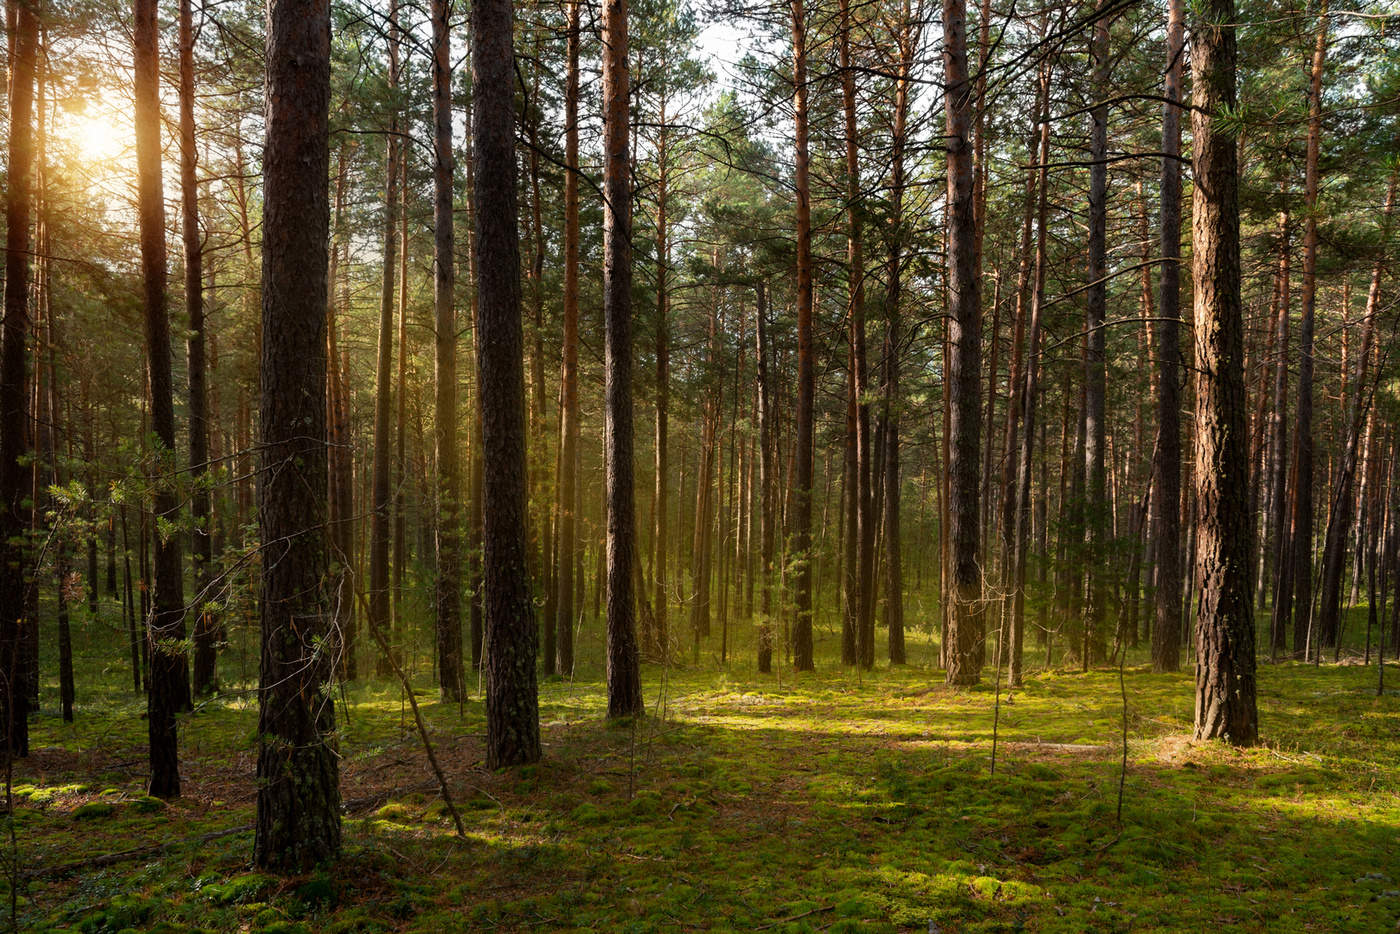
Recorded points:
(1096,507)
(512,704)
(298,805)
(206,678)
(965,623)
(14,397)
(801,519)
(864,531)
(1166,509)
(169,688)
(1225,677)
(569,422)
(1301,537)
(624,675)
(449,529)
(381,518)
(1278,455)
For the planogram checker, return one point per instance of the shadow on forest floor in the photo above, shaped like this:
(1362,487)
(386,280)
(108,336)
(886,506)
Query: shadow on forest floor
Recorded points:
(828,802)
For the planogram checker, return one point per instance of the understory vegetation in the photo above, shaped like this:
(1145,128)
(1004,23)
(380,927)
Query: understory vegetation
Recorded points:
(836,801)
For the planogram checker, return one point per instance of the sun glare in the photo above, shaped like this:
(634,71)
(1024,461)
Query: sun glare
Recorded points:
(99,138)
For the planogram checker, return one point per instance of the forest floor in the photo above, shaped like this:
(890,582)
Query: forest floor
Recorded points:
(838,801)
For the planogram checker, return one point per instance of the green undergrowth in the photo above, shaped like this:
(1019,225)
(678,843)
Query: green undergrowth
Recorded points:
(839,801)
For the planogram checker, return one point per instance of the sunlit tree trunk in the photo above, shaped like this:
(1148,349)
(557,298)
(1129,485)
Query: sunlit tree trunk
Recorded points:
(965,624)
(1225,675)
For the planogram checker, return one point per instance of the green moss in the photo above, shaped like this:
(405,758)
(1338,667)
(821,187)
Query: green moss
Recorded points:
(94,810)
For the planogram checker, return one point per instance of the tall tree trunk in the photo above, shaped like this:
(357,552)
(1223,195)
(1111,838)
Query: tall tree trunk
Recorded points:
(1301,535)
(864,530)
(965,623)
(909,34)
(14,398)
(1278,454)
(624,675)
(206,678)
(767,481)
(569,422)
(801,518)
(1225,676)
(399,482)
(512,703)
(449,530)
(169,687)
(1097,512)
(1166,509)
(381,495)
(298,806)
(659,644)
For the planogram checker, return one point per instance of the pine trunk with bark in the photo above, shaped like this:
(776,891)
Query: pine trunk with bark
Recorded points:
(512,703)
(451,677)
(624,673)
(168,692)
(298,793)
(965,617)
(1225,665)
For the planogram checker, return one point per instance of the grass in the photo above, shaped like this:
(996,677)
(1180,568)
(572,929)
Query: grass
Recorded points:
(837,801)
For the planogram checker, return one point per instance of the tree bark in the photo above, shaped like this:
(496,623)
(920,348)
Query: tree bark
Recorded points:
(1301,536)
(169,688)
(965,623)
(298,802)
(624,674)
(801,518)
(1096,507)
(381,505)
(1166,509)
(14,379)
(1225,676)
(206,627)
(569,423)
(512,704)
(449,532)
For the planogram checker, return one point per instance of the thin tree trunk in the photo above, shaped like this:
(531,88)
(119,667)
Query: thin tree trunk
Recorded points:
(451,677)
(169,687)
(1301,538)
(569,422)
(624,675)
(801,518)
(381,495)
(1166,509)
